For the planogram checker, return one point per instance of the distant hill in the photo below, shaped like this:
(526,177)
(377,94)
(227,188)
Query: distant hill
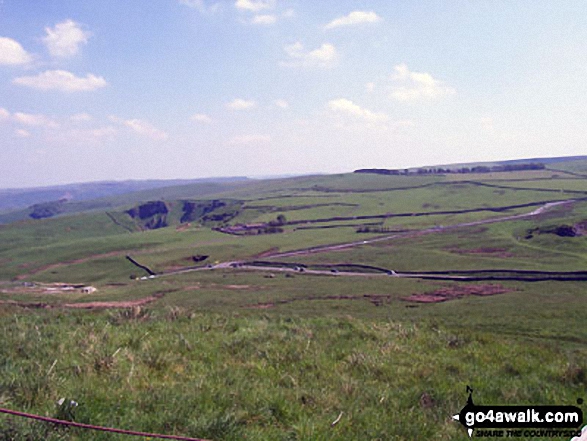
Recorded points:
(54,201)
(189,200)
(546,161)
(18,198)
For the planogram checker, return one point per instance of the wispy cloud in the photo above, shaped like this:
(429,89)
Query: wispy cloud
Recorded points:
(354,18)
(282,104)
(201,117)
(12,53)
(250,139)
(4,114)
(265,19)
(240,104)
(65,39)
(61,80)
(22,133)
(81,117)
(201,6)
(417,85)
(254,5)
(145,129)
(325,56)
(36,120)
(345,106)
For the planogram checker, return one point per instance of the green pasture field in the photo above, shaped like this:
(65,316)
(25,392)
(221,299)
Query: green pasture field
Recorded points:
(574,184)
(261,377)
(489,246)
(506,176)
(232,353)
(576,166)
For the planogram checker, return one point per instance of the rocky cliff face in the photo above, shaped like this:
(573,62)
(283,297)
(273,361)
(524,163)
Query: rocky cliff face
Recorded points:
(148,209)
(159,214)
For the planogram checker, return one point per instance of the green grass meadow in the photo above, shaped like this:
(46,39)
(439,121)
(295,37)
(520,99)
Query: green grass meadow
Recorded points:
(241,354)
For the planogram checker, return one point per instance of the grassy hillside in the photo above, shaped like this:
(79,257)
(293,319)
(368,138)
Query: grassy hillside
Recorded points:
(266,378)
(221,347)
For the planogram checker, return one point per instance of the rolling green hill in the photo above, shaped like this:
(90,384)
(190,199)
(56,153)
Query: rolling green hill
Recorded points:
(266,309)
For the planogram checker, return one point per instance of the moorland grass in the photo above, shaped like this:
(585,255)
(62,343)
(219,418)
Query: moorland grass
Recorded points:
(260,377)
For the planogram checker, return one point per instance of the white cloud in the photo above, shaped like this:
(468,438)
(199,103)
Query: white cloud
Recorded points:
(4,114)
(200,5)
(342,105)
(144,128)
(267,19)
(417,86)
(324,56)
(93,134)
(30,119)
(254,5)
(12,53)
(250,139)
(61,80)
(22,133)
(240,104)
(487,123)
(80,117)
(101,132)
(281,103)
(355,17)
(288,13)
(200,117)
(65,38)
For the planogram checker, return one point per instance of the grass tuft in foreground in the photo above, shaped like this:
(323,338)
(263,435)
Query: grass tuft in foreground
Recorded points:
(225,377)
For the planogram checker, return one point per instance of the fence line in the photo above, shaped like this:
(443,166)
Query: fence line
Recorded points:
(99,428)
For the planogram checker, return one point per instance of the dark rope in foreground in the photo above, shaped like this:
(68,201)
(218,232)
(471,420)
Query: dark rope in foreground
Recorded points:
(100,428)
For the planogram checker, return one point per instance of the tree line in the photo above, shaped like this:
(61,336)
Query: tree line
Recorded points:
(441,170)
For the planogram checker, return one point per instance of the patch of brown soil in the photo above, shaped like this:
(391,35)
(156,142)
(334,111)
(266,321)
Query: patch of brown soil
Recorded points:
(457,292)
(581,228)
(261,306)
(493,252)
(87,305)
(114,304)
(472,232)
(375,299)
(44,288)
(266,253)
(182,227)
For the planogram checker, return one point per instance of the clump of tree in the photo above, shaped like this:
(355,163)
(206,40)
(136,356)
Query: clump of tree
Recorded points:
(441,170)
(47,209)
(279,220)
(559,230)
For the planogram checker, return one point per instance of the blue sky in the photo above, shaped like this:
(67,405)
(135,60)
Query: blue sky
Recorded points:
(109,89)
